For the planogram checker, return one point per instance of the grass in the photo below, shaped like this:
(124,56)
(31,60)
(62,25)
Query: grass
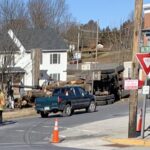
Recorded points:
(109,57)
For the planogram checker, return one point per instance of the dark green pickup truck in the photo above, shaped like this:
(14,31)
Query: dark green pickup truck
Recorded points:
(66,100)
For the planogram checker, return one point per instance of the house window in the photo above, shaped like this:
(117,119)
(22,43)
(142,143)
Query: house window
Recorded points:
(54,58)
(41,59)
(9,60)
(55,76)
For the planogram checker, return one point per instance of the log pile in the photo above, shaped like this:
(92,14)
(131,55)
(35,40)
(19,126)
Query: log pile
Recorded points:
(28,99)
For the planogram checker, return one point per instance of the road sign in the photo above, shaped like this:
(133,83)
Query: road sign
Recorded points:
(96,75)
(144,60)
(145,89)
(145,49)
(131,84)
(77,55)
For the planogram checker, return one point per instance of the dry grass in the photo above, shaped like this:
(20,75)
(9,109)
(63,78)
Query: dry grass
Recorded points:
(19,113)
(112,57)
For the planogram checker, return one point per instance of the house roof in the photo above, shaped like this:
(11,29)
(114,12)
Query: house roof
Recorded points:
(6,44)
(45,39)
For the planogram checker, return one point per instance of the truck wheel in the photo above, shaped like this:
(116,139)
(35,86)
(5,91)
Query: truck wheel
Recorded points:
(67,111)
(92,107)
(43,114)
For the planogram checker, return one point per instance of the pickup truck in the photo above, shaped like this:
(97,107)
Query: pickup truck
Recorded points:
(65,100)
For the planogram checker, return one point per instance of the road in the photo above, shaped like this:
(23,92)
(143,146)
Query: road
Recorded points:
(33,133)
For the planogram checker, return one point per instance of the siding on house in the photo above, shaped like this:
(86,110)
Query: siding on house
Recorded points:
(50,43)
(58,68)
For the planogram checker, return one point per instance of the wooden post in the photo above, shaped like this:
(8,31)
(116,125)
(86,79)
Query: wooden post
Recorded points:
(134,95)
(36,59)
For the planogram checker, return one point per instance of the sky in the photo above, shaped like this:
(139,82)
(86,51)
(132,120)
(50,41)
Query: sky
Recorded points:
(110,13)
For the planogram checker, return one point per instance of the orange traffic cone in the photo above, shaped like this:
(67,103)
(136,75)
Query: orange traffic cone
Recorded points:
(55,136)
(139,126)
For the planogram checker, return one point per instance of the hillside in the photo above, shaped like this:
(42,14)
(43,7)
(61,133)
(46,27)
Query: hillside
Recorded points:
(109,57)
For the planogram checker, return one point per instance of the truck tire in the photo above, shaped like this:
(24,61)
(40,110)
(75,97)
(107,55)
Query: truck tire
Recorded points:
(67,111)
(100,103)
(92,107)
(44,114)
(101,100)
(110,101)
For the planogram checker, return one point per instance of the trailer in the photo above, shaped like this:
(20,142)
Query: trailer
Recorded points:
(108,89)
(105,82)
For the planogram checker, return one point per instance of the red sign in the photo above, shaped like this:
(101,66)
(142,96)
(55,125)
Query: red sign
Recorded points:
(131,84)
(144,60)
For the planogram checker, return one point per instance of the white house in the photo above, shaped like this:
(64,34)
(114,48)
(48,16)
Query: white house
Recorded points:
(53,54)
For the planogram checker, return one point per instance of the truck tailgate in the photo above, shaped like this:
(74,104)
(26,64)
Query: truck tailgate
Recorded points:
(45,103)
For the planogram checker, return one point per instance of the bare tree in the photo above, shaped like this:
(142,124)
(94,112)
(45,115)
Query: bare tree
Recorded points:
(47,13)
(38,11)
(13,15)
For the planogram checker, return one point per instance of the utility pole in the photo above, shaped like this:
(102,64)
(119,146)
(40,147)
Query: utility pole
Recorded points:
(36,57)
(96,40)
(136,41)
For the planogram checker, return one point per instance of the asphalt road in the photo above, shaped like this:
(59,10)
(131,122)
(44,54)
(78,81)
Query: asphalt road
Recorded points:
(34,133)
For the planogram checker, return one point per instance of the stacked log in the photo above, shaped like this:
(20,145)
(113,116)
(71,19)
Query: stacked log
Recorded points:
(76,82)
(28,99)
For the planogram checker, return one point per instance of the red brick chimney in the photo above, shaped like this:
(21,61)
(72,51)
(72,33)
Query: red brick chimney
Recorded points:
(146,8)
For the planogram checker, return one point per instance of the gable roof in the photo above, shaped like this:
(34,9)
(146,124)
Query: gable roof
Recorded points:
(45,39)
(7,45)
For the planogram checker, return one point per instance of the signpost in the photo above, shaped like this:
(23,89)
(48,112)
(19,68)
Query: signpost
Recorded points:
(144,60)
(145,89)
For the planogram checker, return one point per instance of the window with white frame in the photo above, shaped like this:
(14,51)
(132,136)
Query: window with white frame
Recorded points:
(41,58)
(55,58)
(9,60)
(55,76)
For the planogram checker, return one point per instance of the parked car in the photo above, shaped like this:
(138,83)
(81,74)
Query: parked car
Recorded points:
(66,100)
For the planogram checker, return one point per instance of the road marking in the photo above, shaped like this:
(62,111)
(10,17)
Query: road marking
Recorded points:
(31,131)
(13,145)
(20,130)
(53,127)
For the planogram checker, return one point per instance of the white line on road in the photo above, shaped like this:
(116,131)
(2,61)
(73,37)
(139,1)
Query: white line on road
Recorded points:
(20,130)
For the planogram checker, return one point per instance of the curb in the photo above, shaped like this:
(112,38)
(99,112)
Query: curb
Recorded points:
(130,141)
(19,113)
